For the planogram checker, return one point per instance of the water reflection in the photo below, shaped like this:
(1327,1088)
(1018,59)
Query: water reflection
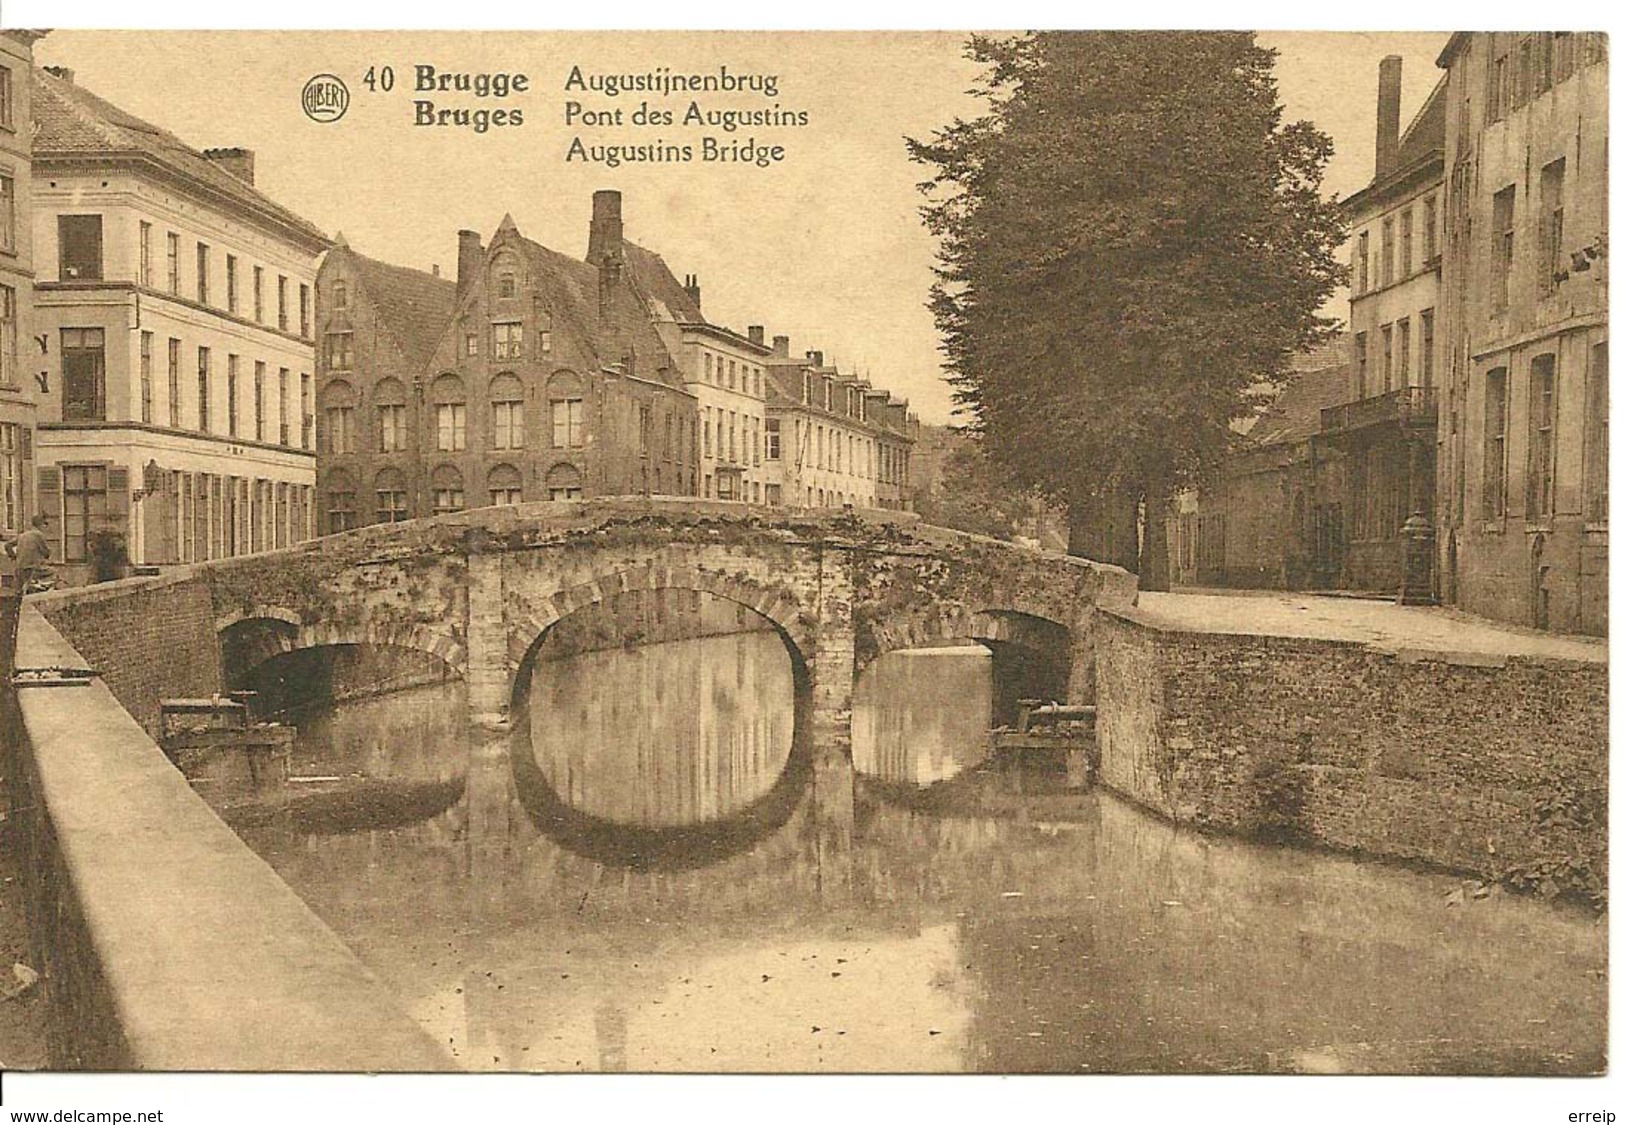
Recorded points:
(1081,935)
(922,715)
(664,735)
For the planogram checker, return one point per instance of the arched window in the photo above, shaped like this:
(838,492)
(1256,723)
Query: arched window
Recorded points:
(338,412)
(390,488)
(450,413)
(339,487)
(505,274)
(566,407)
(564,482)
(447,483)
(507,412)
(390,398)
(505,484)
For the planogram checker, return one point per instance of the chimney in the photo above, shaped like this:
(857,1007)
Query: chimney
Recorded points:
(435,269)
(781,345)
(238,161)
(757,335)
(470,257)
(63,72)
(604,237)
(815,358)
(1388,74)
(691,286)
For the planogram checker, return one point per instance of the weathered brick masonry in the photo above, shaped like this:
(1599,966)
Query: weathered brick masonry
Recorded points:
(1490,765)
(149,639)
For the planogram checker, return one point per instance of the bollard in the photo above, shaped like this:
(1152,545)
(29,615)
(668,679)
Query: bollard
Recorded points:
(1416,580)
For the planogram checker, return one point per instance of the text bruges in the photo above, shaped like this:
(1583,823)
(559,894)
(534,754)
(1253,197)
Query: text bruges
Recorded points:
(495,86)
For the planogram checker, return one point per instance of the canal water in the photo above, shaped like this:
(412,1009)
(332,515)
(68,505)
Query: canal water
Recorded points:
(657,870)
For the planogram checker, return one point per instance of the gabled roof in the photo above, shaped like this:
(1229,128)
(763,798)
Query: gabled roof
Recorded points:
(414,306)
(1295,415)
(71,123)
(654,278)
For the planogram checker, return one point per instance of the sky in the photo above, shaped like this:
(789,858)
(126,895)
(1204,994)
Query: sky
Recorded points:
(825,246)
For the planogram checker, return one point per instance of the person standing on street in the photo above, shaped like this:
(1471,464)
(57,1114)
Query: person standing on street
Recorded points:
(29,552)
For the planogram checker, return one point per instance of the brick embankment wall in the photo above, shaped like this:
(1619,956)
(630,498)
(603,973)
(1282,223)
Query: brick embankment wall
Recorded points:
(1495,766)
(164,942)
(148,638)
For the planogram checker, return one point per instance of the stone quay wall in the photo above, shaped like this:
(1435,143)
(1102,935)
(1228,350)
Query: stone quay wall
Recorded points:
(1493,766)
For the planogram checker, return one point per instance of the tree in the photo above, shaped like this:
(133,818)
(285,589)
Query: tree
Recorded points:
(1130,241)
(970,492)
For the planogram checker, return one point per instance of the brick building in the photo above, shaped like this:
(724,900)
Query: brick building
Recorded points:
(1523,467)
(535,376)
(18,352)
(176,302)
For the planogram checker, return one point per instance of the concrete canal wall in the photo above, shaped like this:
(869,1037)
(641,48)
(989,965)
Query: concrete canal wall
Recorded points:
(165,943)
(1493,765)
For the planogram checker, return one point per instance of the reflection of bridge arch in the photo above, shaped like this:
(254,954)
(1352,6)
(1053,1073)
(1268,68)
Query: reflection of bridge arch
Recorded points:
(251,636)
(1000,626)
(794,624)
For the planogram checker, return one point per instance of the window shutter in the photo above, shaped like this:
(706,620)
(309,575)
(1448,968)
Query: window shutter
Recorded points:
(48,483)
(118,501)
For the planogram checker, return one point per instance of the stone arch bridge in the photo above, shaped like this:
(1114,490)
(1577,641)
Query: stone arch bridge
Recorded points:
(478,589)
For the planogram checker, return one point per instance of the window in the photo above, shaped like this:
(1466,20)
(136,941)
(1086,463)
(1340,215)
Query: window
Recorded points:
(341,294)
(1495,443)
(567,423)
(284,434)
(79,238)
(282,302)
(1523,78)
(84,375)
(510,338)
(144,266)
(471,344)
(1387,358)
(1424,357)
(447,483)
(775,495)
(1499,94)
(1562,56)
(307,419)
(304,312)
(707,367)
(6,119)
(8,213)
(203,273)
(504,485)
(340,502)
(231,395)
(708,431)
(173,252)
(1542,467)
(772,439)
(730,374)
(1406,242)
(505,284)
(564,483)
(1552,269)
(340,351)
(1430,229)
(391,401)
(8,336)
(643,428)
(507,413)
(1402,360)
(146,376)
(259,400)
(84,506)
(451,415)
(259,298)
(11,477)
(1502,231)
(1596,436)
(390,488)
(338,411)
(1388,251)
(174,382)
(231,283)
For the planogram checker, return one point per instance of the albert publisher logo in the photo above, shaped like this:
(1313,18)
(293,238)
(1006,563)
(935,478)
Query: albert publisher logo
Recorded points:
(325,98)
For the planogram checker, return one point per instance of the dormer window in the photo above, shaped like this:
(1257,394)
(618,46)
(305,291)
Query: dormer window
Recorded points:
(505,284)
(341,295)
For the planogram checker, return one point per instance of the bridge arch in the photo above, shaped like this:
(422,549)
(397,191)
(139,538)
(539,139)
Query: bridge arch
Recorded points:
(794,623)
(250,636)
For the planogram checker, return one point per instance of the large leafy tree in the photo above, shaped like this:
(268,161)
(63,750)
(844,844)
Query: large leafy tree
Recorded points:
(1131,242)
